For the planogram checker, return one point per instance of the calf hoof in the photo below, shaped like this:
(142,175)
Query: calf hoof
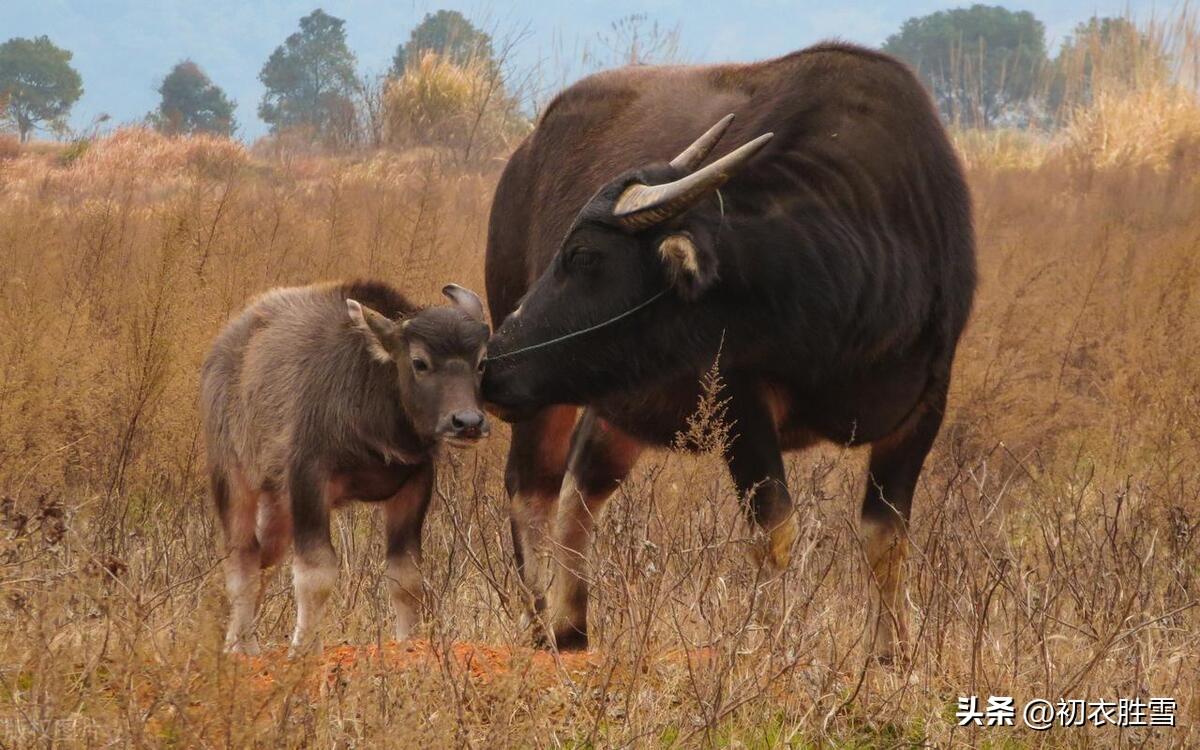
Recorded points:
(301,650)
(244,646)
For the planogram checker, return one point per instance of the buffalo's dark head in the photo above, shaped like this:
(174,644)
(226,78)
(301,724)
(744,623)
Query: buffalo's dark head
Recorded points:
(611,310)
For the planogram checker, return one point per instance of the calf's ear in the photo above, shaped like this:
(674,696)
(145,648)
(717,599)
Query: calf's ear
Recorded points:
(380,333)
(691,266)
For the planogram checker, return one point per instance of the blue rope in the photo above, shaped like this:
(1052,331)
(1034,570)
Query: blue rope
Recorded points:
(580,332)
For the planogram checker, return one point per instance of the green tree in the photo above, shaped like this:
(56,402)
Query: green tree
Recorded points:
(191,103)
(979,62)
(447,33)
(310,79)
(39,83)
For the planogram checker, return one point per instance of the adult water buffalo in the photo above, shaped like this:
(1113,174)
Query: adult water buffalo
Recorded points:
(834,260)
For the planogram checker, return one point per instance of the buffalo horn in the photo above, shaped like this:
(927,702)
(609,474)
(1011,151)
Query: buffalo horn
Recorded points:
(692,156)
(466,300)
(641,206)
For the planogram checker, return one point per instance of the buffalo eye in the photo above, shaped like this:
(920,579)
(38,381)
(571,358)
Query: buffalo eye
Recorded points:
(420,365)
(581,257)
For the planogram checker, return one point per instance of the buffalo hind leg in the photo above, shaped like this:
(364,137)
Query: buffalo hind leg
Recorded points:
(537,460)
(756,465)
(404,515)
(237,504)
(891,481)
(601,456)
(314,564)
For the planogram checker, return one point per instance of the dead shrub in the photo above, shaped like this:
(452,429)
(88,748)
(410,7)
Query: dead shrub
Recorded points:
(462,108)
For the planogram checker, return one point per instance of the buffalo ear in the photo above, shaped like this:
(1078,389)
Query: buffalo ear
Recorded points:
(380,332)
(691,268)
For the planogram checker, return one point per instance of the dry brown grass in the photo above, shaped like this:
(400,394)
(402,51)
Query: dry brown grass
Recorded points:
(1056,528)
(10,146)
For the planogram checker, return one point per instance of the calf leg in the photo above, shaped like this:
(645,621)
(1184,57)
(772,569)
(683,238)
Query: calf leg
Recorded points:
(273,528)
(756,465)
(895,465)
(601,456)
(314,565)
(537,459)
(237,504)
(404,515)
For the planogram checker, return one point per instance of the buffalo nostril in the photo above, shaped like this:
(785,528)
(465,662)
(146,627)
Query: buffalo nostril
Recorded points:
(466,420)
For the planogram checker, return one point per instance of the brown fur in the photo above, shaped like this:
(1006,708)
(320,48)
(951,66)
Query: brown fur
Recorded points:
(833,272)
(311,398)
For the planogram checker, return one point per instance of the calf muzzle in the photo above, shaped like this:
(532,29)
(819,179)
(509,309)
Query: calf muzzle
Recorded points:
(464,427)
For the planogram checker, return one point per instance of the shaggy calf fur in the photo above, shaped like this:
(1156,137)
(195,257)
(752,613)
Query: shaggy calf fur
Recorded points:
(318,395)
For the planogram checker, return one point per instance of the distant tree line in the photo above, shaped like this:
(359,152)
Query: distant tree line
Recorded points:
(984,65)
(38,86)
(311,81)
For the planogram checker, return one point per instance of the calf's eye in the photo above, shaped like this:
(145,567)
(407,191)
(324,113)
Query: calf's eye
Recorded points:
(420,365)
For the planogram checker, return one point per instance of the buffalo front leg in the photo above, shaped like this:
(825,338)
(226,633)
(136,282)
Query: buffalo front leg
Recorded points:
(404,516)
(895,465)
(537,460)
(756,465)
(314,565)
(601,456)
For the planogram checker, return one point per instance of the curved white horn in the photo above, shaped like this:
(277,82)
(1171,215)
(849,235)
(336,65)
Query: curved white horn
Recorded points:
(692,156)
(642,206)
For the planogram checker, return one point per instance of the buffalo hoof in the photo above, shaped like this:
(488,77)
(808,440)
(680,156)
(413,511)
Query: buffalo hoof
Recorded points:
(570,638)
(567,638)
(893,656)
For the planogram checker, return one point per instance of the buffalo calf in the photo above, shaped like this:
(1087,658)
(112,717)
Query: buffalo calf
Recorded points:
(318,395)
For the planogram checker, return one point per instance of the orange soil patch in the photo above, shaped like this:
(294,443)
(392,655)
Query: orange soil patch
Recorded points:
(481,661)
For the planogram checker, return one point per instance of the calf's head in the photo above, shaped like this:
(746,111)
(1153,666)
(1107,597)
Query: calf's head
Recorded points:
(581,331)
(438,357)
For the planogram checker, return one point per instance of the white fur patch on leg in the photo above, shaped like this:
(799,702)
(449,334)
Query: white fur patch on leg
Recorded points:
(574,529)
(405,586)
(242,584)
(886,547)
(533,524)
(313,584)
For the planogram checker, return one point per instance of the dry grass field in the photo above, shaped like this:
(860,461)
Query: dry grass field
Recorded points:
(1056,530)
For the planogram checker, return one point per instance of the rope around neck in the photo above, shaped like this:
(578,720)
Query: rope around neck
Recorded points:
(580,332)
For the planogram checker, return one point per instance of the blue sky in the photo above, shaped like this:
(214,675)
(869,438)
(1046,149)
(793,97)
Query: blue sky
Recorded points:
(124,47)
